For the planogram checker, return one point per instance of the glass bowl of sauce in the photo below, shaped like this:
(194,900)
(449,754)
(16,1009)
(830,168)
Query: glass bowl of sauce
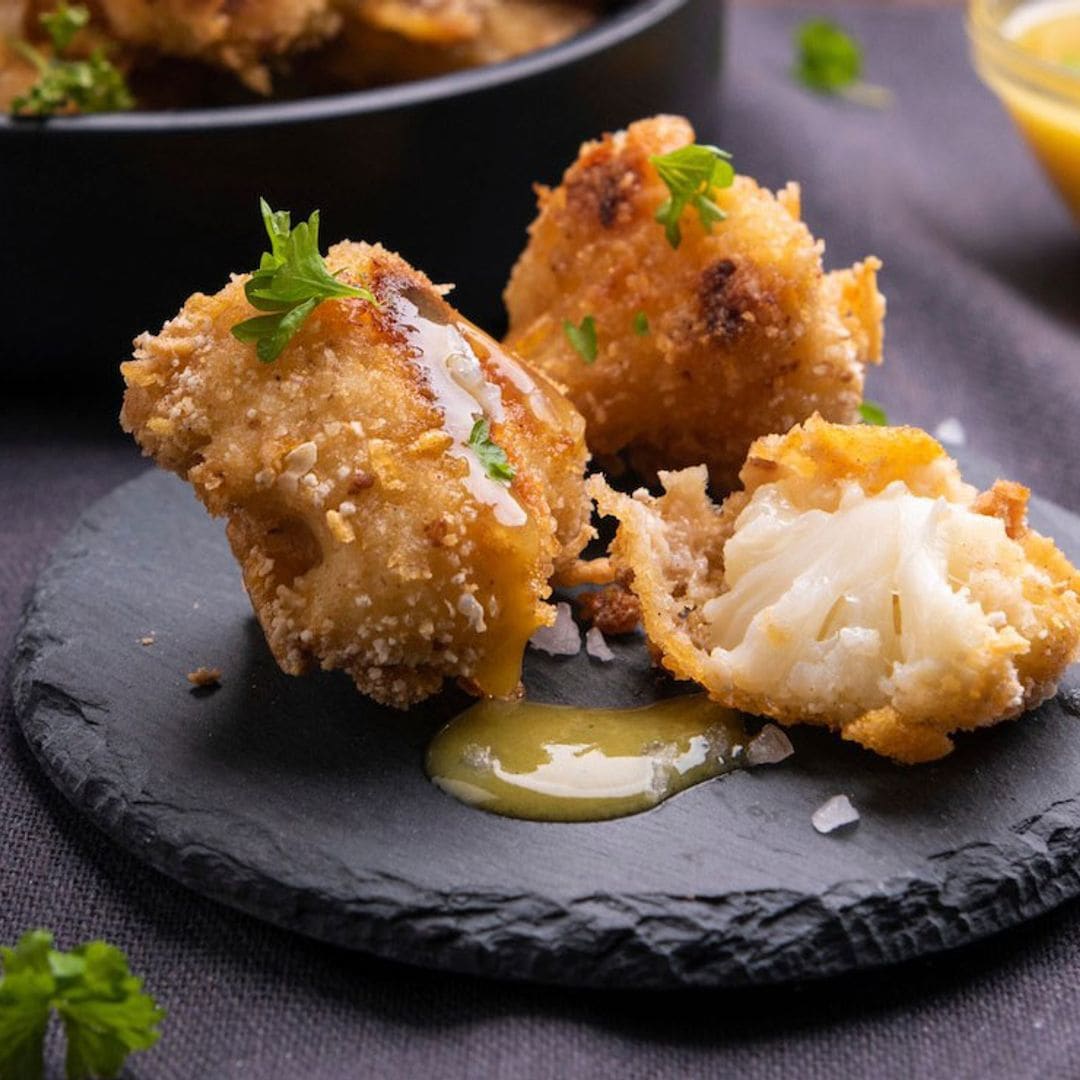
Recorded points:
(1028,53)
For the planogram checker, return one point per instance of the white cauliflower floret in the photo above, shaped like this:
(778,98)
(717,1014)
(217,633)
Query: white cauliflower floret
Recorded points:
(844,612)
(856,582)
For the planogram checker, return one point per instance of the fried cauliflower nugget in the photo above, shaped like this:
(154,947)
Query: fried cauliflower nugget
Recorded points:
(855,582)
(370,533)
(239,35)
(746,334)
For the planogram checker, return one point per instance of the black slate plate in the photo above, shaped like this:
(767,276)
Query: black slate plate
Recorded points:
(300,802)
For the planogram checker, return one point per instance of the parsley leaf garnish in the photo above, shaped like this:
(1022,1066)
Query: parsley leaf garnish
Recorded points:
(692,173)
(492,456)
(85,86)
(829,60)
(104,1013)
(582,338)
(292,280)
(64,23)
(641,324)
(872,413)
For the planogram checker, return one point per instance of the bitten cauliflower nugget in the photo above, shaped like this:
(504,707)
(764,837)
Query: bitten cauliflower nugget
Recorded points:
(370,509)
(240,35)
(855,582)
(735,333)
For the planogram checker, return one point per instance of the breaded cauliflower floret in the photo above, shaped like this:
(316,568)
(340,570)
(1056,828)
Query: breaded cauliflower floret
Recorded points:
(746,334)
(240,35)
(855,582)
(371,536)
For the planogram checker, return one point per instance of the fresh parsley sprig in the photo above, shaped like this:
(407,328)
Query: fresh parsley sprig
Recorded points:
(872,413)
(582,338)
(641,323)
(492,456)
(829,60)
(291,282)
(64,85)
(691,174)
(104,1013)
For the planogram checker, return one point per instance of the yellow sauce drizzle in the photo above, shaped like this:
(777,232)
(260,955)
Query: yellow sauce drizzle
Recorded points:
(525,759)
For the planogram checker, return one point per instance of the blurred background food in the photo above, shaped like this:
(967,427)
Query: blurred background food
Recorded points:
(203,52)
(439,169)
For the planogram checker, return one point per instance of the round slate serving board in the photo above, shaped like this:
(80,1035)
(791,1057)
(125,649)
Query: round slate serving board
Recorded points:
(303,803)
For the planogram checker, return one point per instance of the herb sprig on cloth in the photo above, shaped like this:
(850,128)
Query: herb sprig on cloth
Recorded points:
(829,60)
(101,1005)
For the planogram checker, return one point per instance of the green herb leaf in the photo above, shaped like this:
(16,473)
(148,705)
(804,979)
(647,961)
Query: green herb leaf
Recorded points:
(292,280)
(84,86)
(492,456)
(25,992)
(582,338)
(64,86)
(692,173)
(872,413)
(641,324)
(64,23)
(102,1007)
(829,60)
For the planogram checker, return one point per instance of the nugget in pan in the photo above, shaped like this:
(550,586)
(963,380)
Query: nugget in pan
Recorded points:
(398,488)
(243,36)
(698,348)
(855,582)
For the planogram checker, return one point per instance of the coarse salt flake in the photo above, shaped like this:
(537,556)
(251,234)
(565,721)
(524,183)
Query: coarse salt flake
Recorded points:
(562,638)
(597,647)
(833,814)
(769,747)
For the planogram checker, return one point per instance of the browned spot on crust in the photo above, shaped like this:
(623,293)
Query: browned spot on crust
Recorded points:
(730,297)
(1006,500)
(614,610)
(762,463)
(360,481)
(437,531)
(602,188)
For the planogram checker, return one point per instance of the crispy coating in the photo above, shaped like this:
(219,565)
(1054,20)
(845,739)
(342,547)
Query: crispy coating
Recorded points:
(855,582)
(746,333)
(369,534)
(243,36)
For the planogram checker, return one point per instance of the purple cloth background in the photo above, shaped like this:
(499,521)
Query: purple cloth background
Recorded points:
(983,279)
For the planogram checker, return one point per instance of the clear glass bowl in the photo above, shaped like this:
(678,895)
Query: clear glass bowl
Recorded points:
(1042,96)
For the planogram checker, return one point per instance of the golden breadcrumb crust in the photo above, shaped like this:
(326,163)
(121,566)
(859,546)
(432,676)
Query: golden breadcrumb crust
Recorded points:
(674,547)
(746,333)
(366,539)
